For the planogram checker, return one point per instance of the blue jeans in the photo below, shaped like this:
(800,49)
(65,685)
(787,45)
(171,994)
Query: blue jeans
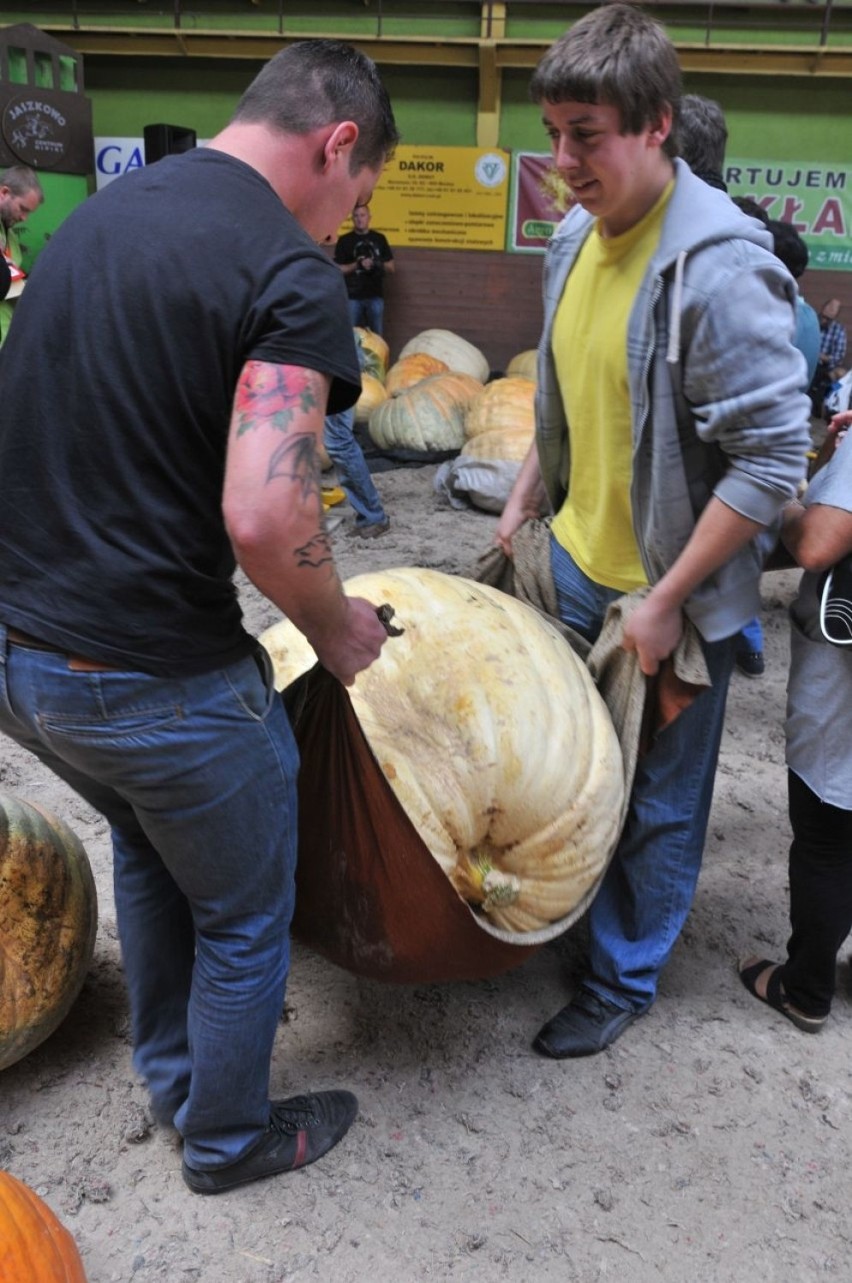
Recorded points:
(750,638)
(196,777)
(646,893)
(367,312)
(352,471)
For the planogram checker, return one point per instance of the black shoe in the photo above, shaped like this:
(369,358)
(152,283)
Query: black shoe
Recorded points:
(751,663)
(370,529)
(300,1131)
(584,1027)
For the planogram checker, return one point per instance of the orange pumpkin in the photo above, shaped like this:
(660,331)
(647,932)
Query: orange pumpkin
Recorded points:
(373,393)
(500,422)
(48,922)
(375,350)
(35,1247)
(411,369)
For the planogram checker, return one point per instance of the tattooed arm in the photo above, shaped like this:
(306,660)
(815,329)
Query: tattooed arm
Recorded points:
(272,505)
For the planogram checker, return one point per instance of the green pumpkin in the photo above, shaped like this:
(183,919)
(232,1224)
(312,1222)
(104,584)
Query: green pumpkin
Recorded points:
(48,923)
(427,417)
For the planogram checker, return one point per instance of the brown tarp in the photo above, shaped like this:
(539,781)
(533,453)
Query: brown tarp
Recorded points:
(369,894)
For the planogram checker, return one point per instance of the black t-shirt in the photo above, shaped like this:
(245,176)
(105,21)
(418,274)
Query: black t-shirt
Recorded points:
(117,381)
(354,245)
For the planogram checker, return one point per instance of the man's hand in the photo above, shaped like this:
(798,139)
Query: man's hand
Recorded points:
(653,631)
(356,646)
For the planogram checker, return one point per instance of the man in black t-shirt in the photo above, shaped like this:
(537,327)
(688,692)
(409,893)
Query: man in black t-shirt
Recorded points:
(364,257)
(190,373)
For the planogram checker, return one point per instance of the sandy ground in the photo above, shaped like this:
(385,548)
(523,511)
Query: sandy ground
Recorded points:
(711,1143)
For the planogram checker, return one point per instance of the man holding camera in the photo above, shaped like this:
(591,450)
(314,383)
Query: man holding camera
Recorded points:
(363,257)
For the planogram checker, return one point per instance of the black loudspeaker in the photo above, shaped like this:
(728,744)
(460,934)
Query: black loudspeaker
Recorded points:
(166,140)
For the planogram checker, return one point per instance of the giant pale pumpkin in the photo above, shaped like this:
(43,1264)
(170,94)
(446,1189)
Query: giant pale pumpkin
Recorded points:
(375,353)
(410,369)
(48,922)
(426,418)
(493,738)
(34,1246)
(500,422)
(456,352)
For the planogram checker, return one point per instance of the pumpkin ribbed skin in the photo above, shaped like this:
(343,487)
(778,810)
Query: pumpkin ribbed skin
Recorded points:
(48,923)
(373,394)
(524,365)
(409,370)
(493,737)
(375,351)
(504,413)
(34,1246)
(426,417)
(458,353)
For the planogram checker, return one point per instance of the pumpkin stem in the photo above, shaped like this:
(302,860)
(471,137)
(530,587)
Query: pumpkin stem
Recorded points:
(478,882)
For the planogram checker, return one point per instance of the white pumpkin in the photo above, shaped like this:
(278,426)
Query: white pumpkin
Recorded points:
(524,365)
(459,355)
(493,737)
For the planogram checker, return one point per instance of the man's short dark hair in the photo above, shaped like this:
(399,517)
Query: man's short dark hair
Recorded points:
(789,246)
(702,136)
(321,82)
(616,55)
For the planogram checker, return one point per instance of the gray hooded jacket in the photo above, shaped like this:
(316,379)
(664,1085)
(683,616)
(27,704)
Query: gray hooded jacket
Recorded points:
(714,382)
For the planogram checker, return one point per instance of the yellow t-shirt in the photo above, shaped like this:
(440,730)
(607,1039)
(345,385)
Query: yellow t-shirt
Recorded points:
(595,523)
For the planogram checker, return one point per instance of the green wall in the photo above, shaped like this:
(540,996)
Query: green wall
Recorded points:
(792,119)
(435,105)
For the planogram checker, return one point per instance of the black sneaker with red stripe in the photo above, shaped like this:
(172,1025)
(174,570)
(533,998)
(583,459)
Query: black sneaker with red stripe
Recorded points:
(300,1131)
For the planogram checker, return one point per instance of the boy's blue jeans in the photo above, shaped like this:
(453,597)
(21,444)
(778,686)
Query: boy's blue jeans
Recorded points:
(648,888)
(352,471)
(196,777)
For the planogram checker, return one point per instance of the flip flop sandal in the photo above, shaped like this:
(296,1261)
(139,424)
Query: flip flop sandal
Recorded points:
(775,997)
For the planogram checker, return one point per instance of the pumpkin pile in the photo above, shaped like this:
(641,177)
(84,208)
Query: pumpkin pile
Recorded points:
(493,738)
(374,355)
(34,1245)
(48,922)
(428,390)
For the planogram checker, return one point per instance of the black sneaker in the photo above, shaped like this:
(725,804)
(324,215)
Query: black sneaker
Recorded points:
(300,1131)
(586,1026)
(751,663)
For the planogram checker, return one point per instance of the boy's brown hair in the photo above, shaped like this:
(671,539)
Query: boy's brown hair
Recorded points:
(616,55)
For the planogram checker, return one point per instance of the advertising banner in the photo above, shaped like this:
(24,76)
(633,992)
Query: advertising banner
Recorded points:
(816,199)
(443,198)
(539,200)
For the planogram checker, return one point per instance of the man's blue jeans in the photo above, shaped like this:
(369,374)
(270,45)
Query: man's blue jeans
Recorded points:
(648,888)
(368,312)
(352,471)
(196,777)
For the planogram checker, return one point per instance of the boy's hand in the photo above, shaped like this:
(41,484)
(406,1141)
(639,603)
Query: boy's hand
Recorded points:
(653,631)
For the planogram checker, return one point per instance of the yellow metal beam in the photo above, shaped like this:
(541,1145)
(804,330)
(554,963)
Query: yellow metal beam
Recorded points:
(490,89)
(488,57)
(492,24)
